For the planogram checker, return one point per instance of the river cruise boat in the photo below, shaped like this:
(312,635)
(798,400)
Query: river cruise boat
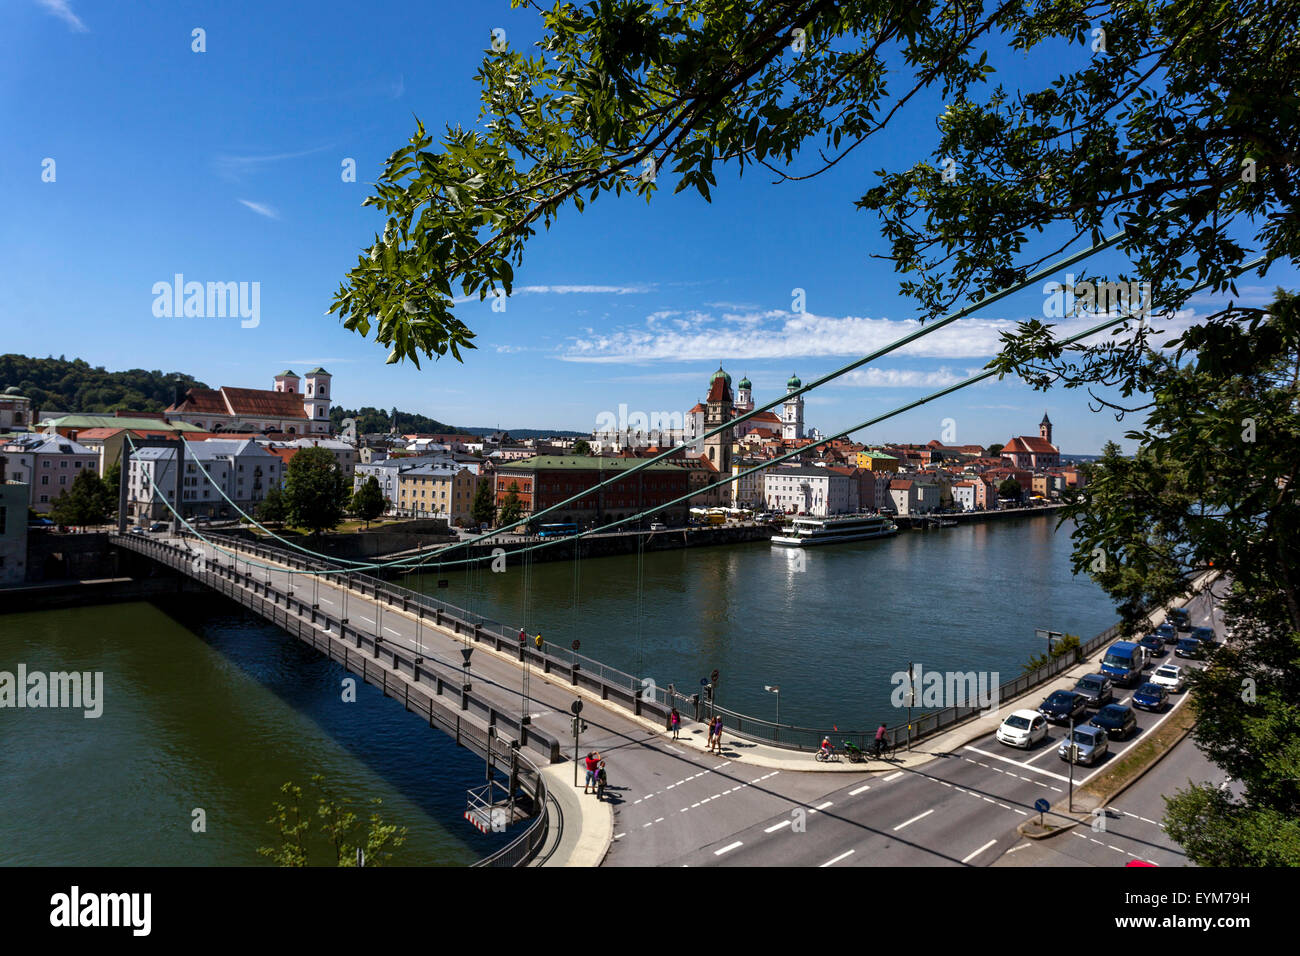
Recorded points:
(805,531)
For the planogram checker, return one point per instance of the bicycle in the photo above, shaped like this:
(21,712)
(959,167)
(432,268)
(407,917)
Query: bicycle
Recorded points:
(883,750)
(830,755)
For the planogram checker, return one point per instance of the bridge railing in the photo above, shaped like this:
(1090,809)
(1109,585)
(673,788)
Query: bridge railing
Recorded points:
(645,697)
(418,681)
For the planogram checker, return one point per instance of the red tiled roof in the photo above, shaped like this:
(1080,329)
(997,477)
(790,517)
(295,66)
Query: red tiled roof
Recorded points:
(264,403)
(1033,444)
(899,484)
(204,401)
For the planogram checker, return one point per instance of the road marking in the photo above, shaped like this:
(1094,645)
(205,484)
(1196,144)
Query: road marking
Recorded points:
(694,805)
(894,776)
(913,820)
(1022,813)
(1021,847)
(823,806)
(854,793)
(837,859)
(366,619)
(721,765)
(660,820)
(619,836)
(979,851)
(783,823)
(326,600)
(1017,763)
(644,825)
(391,631)
(728,848)
(674,749)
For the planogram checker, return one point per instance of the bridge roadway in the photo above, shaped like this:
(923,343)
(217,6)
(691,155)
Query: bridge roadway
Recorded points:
(957,804)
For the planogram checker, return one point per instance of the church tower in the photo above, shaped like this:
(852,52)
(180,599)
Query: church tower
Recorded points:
(1045,429)
(792,412)
(744,396)
(316,400)
(718,410)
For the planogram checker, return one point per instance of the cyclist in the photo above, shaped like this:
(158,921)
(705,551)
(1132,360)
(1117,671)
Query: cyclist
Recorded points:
(881,734)
(827,750)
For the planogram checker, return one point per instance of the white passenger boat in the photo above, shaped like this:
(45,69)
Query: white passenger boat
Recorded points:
(805,531)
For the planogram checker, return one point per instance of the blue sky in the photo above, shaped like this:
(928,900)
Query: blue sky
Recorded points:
(225,166)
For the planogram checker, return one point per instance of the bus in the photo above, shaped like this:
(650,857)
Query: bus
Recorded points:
(557,530)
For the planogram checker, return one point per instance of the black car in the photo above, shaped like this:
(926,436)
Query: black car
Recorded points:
(1205,634)
(1167,633)
(1062,705)
(1154,644)
(1189,647)
(1179,619)
(1096,689)
(1116,719)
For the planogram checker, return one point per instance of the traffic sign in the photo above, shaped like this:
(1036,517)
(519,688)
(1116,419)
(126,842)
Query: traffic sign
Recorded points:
(704,682)
(576,707)
(1041,805)
(576,645)
(714,677)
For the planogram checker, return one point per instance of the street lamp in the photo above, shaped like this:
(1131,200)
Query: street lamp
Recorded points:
(775,689)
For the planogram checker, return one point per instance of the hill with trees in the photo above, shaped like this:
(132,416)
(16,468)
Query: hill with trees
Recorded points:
(75,385)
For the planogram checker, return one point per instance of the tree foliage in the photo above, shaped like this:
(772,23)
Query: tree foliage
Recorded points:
(371,421)
(340,831)
(484,509)
(86,501)
(315,491)
(368,501)
(273,509)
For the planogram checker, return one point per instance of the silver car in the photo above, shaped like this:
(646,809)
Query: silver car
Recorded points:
(1090,745)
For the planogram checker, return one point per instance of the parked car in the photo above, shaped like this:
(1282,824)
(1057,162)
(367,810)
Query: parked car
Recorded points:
(1088,745)
(1190,648)
(1062,705)
(1169,676)
(1096,689)
(135,529)
(1154,645)
(157,526)
(1117,720)
(1151,697)
(1167,633)
(1179,619)
(1024,728)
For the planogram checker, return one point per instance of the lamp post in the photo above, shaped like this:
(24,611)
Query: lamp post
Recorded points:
(775,689)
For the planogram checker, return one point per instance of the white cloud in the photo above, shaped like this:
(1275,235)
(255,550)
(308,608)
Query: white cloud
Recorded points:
(899,378)
(261,209)
(236,167)
(779,334)
(63,11)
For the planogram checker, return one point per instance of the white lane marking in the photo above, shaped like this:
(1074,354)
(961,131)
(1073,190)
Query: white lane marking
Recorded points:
(979,851)
(854,793)
(1022,813)
(694,805)
(894,776)
(913,820)
(1021,847)
(837,859)
(823,806)
(728,848)
(644,825)
(674,749)
(783,823)
(619,836)
(326,600)
(659,820)
(721,765)
(366,619)
(391,631)
(1017,763)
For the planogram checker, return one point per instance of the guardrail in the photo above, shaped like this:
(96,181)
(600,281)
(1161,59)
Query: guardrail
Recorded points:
(643,696)
(419,681)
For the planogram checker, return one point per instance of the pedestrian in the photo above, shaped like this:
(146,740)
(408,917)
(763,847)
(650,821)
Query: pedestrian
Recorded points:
(717,735)
(711,732)
(601,781)
(675,722)
(593,764)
